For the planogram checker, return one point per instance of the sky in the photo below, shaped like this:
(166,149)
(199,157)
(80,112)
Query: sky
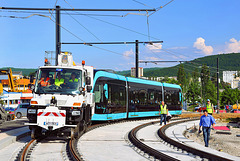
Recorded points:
(189,30)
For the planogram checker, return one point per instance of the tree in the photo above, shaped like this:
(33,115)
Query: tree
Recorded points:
(194,90)
(204,80)
(230,96)
(181,77)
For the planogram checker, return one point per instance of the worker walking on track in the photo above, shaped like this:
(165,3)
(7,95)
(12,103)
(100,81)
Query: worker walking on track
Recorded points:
(209,107)
(163,112)
(206,121)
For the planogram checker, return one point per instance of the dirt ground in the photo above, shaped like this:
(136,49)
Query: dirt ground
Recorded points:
(228,143)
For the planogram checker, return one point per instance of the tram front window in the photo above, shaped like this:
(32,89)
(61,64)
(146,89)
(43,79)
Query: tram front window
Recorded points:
(58,80)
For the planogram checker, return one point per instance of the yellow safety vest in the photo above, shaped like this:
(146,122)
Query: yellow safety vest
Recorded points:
(59,82)
(75,80)
(163,109)
(209,108)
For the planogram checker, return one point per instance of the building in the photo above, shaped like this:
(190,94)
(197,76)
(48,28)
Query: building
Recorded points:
(235,83)
(228,76)
(140,72)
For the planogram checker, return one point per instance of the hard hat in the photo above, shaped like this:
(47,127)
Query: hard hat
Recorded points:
(208,100)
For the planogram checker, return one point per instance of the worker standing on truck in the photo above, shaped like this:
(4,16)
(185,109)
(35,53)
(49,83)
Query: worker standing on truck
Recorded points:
(209,107)
(206,121)
(59,80)
(163,113)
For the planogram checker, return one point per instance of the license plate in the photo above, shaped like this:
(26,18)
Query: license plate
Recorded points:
(51,123)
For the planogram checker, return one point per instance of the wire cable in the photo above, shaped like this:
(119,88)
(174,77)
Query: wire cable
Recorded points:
(84,27)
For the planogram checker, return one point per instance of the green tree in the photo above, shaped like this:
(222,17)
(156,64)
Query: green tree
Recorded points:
(181,77)
(230,96)
(204,80)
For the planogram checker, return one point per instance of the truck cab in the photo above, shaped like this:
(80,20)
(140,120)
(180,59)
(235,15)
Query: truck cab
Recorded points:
(61,97)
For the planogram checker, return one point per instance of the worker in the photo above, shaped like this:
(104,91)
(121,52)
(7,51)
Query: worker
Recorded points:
(44,81)
(163,112)
(209,107)
(59,80)
(206,121)
(73,78)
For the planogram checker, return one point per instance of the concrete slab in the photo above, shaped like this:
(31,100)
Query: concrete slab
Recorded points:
(11,136)
(108,143)
(149,135)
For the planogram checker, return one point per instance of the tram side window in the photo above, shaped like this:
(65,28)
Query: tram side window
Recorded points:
(110,97)
(172,96)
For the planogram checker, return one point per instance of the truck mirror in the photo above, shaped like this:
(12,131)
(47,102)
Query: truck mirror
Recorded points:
(89,88)
(88,80)
(31,78)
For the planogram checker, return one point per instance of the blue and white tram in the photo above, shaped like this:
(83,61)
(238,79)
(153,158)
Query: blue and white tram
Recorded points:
(119,97)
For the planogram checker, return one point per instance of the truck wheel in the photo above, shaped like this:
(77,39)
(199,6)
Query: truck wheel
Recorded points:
(19,115)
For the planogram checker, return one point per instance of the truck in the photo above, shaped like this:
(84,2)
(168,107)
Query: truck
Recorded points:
(62,102)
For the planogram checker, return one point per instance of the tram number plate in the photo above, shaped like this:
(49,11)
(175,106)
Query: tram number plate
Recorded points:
(51,123)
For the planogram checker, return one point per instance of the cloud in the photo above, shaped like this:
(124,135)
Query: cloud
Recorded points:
(200,44)
(154,47)
(233,46)
(128,54)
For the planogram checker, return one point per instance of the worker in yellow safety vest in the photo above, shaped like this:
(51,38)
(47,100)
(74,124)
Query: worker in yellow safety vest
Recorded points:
(59,80)
(209,107)
(73,78)
(163,112)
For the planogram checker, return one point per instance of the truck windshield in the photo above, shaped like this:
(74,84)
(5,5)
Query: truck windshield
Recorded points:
(58,80)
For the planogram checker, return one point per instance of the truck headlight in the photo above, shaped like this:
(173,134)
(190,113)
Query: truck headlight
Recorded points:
(75,113)
(32,111)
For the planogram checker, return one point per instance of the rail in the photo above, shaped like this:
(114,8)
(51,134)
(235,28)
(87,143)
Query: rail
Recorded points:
(202,154)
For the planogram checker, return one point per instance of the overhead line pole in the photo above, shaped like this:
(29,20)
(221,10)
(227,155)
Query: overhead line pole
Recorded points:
(75,9)
(58,9)
(218,102)
(102,43)
(136,63)
(58,36)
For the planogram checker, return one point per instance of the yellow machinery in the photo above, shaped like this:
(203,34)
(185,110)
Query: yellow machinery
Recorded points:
(12,82)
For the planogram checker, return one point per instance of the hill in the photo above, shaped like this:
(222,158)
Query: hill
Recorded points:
(25,71)
(226,62)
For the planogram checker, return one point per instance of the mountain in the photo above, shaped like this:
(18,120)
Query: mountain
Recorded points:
(227,62)
(25,71)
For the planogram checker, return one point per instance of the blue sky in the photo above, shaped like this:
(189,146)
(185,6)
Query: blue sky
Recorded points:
(189,29)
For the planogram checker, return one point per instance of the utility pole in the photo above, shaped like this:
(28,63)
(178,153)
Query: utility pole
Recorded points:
(58,9)
(136,64)
(218,103)
(58,40)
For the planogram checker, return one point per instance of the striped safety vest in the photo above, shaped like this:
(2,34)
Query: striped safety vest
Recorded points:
(59,82)
(163,109)
(209,108)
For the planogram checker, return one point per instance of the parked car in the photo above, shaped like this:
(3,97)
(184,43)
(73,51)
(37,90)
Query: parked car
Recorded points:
(200,109)
(21,110)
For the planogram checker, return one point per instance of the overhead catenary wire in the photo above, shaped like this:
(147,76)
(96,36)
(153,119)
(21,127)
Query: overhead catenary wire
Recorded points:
(85,27)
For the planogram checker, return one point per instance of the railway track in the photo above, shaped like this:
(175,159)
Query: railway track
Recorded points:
(185,147)
(69,154)
(195,153)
